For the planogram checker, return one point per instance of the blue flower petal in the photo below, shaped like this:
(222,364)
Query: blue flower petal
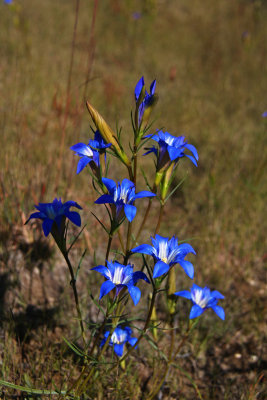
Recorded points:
(71,203)
(217,295)
(143,249)
(47,226)
(130,211)
(82,163)
(127,184)
(74,217)
(187,267)
(160,269)
(132,341)
(185,248)
(193,150)
(153,87)
(118,348)
(140,275)
(196,311)
(184,293)
(174,152)
(106,287)
(110,184)
(105,198)
(219,311)
(139,88)
(82,149)
(144,193)
(101,269)
(36,215)
(135,294)
(192,159)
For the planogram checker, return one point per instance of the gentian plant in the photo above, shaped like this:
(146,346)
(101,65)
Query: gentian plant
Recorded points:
(202,299)
(119,338)
(117,315)
(122,197)
(118,277)
(54,214)
(166,253)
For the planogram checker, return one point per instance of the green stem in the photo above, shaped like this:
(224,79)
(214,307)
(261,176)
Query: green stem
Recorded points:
(128,243)
(160,218)
(135,163)
(145,217)
(73,285)
(143,331)
(121,242)
(108,248)
(83,385)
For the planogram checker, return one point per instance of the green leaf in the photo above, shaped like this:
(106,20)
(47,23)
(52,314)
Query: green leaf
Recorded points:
(176,187)
(96,303)
(30,390)
(76,238)
(74,348)
(80,264)
(145,178)
(101,223)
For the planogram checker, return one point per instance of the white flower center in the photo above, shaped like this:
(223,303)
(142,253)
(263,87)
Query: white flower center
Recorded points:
(199,298)
(162,253)
(88,152)
(169,140)
(118,278)
(118,338)
(123,195)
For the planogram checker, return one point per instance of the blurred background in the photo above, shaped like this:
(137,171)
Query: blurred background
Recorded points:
(209,60)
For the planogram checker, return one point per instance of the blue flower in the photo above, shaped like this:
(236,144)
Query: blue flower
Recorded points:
(122,197)
(203,298)
(119,338)
(90,152)
(166,253)
(171,148)
(120,276)
(98,143)
(8,1)
(56,212)
(264,114)
(148,99)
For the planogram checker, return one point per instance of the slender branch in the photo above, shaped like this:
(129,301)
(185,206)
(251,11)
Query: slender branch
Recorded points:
(144,220)
(135,163)
(160,218)
(121,242)
(108,248)
(145,216)
(73,285)
(143,331)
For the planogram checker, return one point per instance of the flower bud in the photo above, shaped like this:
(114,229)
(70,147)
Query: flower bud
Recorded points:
(107,133)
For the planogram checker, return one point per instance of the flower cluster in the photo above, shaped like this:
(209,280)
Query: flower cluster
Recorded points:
(165,252)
